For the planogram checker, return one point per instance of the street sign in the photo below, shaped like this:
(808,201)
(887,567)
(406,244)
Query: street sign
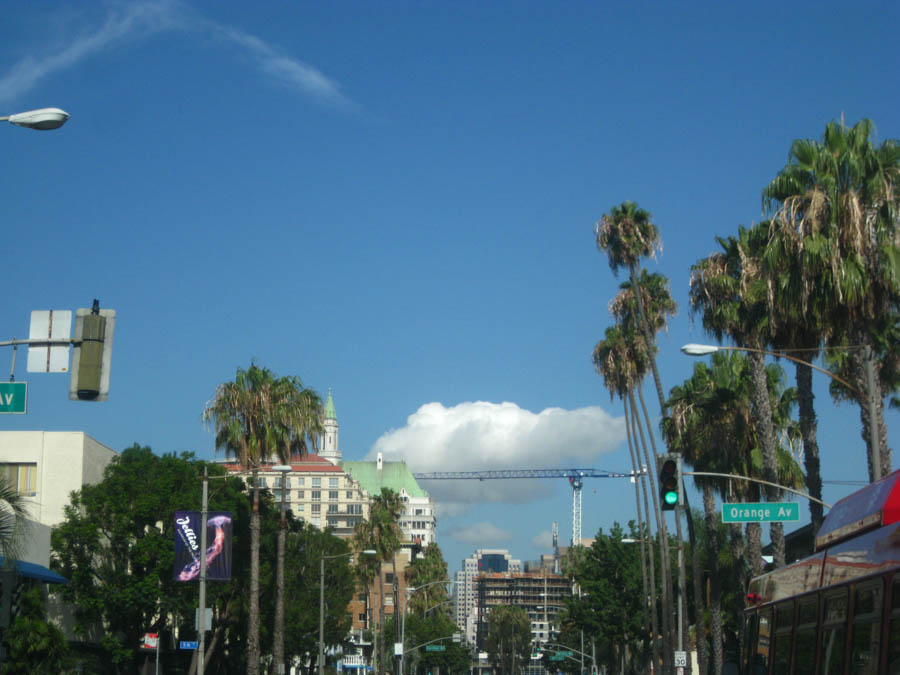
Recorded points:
(54,324)
(151,641)
(564,653)
(557,657)
(680,659)
(188,644)
(434,648)
(13,397)
(760,513)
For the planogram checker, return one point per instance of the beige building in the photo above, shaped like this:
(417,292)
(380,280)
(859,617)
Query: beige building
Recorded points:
(46,466)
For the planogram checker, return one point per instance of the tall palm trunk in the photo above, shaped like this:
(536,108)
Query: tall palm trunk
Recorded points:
(278,633)
(715,601)
(663,540)
(863,363)
(765,432)
(253,618)
(657,381)
(649,593)
(379,668)
(754,548)
(679,538)
(739,575)
(808,432)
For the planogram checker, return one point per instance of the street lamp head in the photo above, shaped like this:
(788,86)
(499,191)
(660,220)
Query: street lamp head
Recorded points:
(699,350)
(282,467)
(369,551)
(42,119)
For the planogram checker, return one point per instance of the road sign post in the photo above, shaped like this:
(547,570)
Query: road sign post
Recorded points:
(760,512)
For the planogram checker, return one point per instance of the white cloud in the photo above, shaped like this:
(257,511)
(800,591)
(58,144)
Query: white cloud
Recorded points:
(479,435)
(543,540)
(480,535)
(125,23)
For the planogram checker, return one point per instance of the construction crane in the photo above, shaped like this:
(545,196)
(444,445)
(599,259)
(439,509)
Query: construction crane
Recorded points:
(575,477)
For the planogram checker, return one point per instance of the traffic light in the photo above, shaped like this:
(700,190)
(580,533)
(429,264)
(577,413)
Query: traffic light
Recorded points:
(670,492)
(92,354)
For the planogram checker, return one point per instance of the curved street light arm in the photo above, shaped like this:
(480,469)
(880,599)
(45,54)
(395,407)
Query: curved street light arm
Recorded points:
(757,480)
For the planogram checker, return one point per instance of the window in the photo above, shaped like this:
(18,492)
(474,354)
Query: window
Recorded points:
(419,512)
(760,656)
(349,494)
(354,509)
(332,482)
(834,633)
(317,482)
(784,622)
(301,481)
(388,600)
(865,641)
(21,477)
(299,508)
(361,617)
(332,495)
(316,509)
(316,495)
(316,522)
(332,508)
(389,578)
(332,522)
(893,664)
(299,494)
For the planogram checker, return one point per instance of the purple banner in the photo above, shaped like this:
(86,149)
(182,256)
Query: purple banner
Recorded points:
(187,545)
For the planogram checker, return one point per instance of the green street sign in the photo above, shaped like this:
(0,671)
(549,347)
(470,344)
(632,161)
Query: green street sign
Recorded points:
(761,513)
(434,648)
(557,657)
(564,653)
(13,397)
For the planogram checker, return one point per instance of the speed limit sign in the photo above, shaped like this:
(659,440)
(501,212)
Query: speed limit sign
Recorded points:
(680,659)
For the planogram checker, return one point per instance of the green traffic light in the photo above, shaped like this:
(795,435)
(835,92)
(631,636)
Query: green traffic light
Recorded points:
(670,497)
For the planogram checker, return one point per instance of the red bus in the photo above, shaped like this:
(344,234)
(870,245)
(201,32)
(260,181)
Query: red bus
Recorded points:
(837,611)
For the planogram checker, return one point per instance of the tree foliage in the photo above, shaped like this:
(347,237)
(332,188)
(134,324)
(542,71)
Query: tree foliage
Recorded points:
(35,646)
(508,641)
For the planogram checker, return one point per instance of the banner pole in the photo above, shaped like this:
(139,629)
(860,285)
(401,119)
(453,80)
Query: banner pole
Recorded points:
(201,612)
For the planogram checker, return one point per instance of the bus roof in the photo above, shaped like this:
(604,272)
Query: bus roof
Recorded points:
(873,506)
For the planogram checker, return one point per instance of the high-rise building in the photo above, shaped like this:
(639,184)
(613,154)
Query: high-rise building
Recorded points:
(464,593)
(541,594)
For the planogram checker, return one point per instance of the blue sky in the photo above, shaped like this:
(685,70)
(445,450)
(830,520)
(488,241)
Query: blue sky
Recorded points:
(396,201)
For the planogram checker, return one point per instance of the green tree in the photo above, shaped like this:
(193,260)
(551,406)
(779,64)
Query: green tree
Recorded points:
(508,641)
(835,223)
(430,568)
(35,646)
(116,548)
(609,607)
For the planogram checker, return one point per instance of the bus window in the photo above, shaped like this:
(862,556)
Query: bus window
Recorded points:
(865,643)
(784,622)
(894,635)
(807,625)
(749,641)
(759,659)
(834,633)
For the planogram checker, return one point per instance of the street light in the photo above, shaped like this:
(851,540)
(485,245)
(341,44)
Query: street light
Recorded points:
(284,469)
(703,350)
(42,119)
(368,551)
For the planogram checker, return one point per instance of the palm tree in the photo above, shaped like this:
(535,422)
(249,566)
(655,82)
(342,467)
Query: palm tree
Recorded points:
(13,521)
(729,293)
(384,514)
(618,362)
(711,423)
(295,417)
(241,413)
(835,214)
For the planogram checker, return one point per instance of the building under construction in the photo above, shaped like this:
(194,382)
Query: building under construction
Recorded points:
(542,595)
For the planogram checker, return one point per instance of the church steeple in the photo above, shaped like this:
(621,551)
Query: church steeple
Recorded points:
(330,450)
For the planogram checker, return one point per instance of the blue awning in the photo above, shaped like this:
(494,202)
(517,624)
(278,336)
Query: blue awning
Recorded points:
(39,572)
